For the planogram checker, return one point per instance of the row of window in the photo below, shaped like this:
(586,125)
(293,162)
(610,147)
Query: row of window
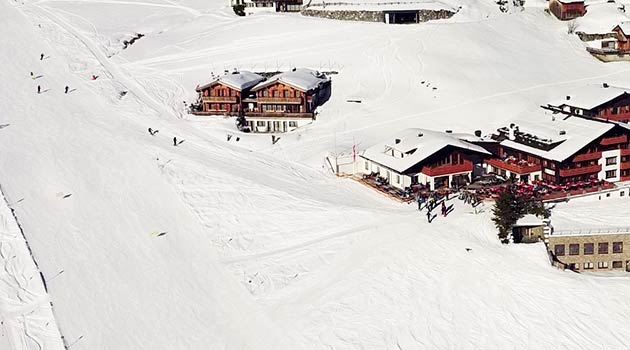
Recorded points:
(291,125)
(277,93)
(282,108)
(588,248)
(600,265)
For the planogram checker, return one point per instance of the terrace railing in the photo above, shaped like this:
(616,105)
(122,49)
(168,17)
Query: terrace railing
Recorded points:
(580,170)
(514,167)
(219,99)
(592,231)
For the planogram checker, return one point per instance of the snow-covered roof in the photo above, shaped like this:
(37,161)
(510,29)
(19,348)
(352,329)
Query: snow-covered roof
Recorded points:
(302,78)
(565,135)
(238,80)
(590,96)
(625,28)
(529,220)
(571,1)
(412,146)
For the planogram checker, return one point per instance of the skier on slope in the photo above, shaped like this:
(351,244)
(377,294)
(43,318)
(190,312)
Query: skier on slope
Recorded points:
(41,57)
(174,141)
(443,209)
(39,89)
(66,90)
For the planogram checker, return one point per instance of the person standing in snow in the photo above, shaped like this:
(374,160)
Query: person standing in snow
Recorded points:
(443,209)
(174,141)
(32,75)
(39,89)
(66,91)
(428,216)
(150,131)
(41,57)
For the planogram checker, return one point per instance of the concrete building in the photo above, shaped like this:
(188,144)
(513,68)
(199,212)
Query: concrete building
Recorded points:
(590,250)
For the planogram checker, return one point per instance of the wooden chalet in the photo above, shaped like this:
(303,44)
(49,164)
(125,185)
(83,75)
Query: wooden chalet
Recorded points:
(567,9)
(223,95)
(423,158)
(595,101)
(286,101)
(616,48)
(561,149)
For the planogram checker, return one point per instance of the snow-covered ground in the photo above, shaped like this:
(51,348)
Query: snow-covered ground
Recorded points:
(262,247)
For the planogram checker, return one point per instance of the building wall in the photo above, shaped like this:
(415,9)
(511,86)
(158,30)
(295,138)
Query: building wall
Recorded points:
(276,125)
(221,107)
(566,11)
(612,168)
(598,261)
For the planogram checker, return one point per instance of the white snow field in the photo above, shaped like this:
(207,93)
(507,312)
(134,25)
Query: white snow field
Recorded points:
(247,245)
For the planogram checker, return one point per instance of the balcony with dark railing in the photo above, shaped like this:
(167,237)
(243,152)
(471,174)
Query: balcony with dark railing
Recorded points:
(614,140)
(280,100)
(448,169)
(271,115)
(515,166)
(625,152)
(587,156)
(580,170)
(218,99)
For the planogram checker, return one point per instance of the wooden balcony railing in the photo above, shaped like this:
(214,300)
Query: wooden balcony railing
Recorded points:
(613,140)
(624,165)
(448,169)
(587,156)
(271,115)
(581,170)
(280,100)
(218,99)
(625,152)
(514,167)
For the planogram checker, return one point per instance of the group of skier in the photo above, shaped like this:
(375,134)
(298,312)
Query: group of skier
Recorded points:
(39,87)
(432,201)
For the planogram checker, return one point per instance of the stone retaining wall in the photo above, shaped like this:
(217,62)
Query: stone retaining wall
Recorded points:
(373,16)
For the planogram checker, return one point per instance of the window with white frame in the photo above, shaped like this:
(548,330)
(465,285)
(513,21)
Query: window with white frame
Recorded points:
(602,265)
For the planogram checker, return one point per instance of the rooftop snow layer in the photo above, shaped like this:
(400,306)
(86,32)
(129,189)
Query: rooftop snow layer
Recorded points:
(578,132)
(590,96)
(416,145)
(238,80)
(302,78)
(601,18)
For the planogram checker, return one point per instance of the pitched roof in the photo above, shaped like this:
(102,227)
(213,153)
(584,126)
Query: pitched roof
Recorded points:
(571,1)
(625,28)
(565,135)
(303,79)
(239,80)
(590,96)
(414,146)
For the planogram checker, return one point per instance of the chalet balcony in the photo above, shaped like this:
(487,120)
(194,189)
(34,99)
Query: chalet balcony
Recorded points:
(587,156)
(613,140)
(522,167)
(280,100)
(218,99)
(448,169)
(625,152)
(624,165)
(274,115)
(580,170)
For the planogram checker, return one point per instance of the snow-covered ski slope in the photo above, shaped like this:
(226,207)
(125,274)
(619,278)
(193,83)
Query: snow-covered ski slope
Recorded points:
(263,249)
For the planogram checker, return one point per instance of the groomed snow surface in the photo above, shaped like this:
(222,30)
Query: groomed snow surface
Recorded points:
(218,244)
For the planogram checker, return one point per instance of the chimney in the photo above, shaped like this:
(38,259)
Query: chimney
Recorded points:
(605,85)
(397,141)
(478,133)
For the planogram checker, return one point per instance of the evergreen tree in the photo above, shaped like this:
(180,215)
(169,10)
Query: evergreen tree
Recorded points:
(510,207)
